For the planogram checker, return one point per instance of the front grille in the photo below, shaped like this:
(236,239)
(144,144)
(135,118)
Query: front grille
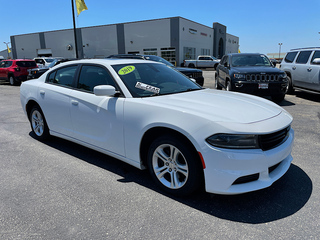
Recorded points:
(194,75)
(262,77)
(273,140)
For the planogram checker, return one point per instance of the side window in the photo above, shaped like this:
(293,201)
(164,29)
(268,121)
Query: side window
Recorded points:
(303,57)
(315,55)
(91,76)
(2,64)
(63,76)
(290,57)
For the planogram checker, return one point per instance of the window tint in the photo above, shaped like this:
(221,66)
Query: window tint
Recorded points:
(91,76)
(290,57)
(63,76)
(303,57)
(26,63)
(315,55)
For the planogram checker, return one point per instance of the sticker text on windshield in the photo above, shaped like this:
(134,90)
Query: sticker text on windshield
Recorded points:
(126,70)
(147,87)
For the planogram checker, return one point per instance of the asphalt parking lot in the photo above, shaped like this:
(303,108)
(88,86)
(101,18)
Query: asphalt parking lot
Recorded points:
(60,190)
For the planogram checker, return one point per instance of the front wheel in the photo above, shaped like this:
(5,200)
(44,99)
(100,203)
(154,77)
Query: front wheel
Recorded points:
(278,98)
(174,167)
(217,86)
(38,124)
(290,89)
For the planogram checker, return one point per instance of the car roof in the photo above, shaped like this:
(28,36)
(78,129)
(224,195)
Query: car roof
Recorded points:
(306,48)
(109,61)
(244,54)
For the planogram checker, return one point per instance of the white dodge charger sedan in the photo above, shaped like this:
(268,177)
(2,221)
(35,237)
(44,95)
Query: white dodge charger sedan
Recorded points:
(152,116)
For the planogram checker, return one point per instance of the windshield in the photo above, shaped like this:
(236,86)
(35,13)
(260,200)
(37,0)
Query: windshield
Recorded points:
(159,59)
(150,79)
(250,60)
(53,63)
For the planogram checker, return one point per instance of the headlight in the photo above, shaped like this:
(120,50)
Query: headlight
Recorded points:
(239,76)
(283,75)
(234,141)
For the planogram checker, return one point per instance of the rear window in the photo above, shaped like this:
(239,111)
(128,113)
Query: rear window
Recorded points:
(26,64)
(290,57)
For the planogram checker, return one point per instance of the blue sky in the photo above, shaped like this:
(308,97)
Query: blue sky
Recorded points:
(259,24)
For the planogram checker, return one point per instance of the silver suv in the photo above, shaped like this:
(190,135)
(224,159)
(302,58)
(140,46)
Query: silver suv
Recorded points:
(302,67)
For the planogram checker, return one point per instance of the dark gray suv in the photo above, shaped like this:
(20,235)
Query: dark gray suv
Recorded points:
(302,66)
(251,73)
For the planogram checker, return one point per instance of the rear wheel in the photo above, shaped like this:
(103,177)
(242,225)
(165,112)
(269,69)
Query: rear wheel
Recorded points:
(174,167)
(191,65)
(38,124)
(13,81)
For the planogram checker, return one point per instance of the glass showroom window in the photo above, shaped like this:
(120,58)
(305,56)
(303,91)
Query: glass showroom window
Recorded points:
(169,54)
(189,53)
(150,51)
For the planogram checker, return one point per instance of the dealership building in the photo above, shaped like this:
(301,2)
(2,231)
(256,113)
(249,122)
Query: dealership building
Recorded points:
(174,39)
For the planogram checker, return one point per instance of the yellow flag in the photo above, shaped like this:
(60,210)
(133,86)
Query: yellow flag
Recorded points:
(81,6)
(9,51)
(239,51)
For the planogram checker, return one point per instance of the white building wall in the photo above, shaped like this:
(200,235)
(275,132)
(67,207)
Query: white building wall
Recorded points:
(202,38)
(58,42)
(146,35)
(27,45)
(232,44)
(99,42)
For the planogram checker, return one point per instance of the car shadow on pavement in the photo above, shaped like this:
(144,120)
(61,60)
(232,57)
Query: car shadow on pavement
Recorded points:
(284,198)
(315,97)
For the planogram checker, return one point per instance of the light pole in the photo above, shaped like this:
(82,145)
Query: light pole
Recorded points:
(279,49)
(6,43)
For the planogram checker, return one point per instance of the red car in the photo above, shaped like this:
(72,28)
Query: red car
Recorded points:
(16,70)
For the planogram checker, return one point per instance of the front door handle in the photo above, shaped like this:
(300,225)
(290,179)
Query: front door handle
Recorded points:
(74,102)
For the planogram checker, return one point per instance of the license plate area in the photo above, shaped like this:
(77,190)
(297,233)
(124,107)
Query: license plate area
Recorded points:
(263,85)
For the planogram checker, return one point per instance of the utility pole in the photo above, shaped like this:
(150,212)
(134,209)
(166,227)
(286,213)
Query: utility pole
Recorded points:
(74,30)
(279,49)
(6,43)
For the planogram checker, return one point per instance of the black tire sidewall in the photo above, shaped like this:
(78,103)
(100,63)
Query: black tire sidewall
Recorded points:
(45,135)
(195,176)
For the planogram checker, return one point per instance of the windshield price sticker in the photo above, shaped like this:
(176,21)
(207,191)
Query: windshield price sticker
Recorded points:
(126,70)
(147,87)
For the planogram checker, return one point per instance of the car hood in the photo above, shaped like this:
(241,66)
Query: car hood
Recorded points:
(258,69)
(220,106)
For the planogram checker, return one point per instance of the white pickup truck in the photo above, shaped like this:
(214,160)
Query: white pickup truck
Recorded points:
(202,62)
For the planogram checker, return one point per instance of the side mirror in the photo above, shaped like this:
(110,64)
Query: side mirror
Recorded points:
(104,90)
(316,61)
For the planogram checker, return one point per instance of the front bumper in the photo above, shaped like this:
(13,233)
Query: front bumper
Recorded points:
(230,171)
(259,88)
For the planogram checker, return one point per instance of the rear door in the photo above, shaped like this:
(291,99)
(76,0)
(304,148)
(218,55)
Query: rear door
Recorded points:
(301,70)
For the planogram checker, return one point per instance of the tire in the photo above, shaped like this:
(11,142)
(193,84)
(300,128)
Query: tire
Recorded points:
(290,89)
(216,85)
(38,124)
(229,86)
(174,166)
(278,97)
(191,65)
(13,81)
